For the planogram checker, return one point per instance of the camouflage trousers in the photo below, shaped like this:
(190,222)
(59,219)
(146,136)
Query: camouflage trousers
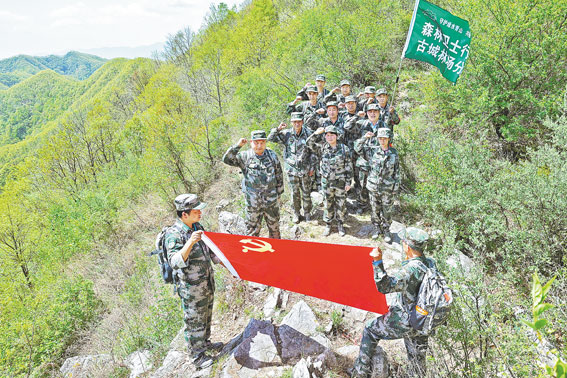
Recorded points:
(197,303)
(335,200)
(254,215)
(301,190)
(390,327)
(382,205)
(356,174)
(363,195)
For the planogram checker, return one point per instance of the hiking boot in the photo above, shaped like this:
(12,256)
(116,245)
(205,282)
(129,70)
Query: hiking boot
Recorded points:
(327,231)
(202,361)
(296,218)
(307,217)
(376,233)
(341,229)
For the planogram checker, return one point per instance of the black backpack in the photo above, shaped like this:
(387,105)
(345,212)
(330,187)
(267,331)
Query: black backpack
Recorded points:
(434,302)
(165,268)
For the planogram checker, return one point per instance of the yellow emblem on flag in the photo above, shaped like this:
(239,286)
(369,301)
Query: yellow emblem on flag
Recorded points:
(256,246)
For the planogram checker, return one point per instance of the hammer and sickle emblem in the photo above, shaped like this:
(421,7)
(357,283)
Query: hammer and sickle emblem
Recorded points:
(257,246)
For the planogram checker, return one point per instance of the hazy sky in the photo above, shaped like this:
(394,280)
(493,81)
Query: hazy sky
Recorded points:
(43,27)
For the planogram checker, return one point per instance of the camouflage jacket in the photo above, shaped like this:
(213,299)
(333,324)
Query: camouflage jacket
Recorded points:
(352,129)
(357,126)
(405,282)
(310,117)
(262,181)
(335,163)
(339,124)
(298,159)
(388,119)
(198,267)
(384,176)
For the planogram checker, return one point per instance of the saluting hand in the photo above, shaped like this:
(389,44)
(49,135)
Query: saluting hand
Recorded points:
(320,111)
(361,114)
(297,99)
(369,134)
(336,90)
(242,142)
(282,126)
(320,130)
(347,188)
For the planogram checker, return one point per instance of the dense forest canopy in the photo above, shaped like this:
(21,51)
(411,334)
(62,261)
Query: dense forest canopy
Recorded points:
(483,161)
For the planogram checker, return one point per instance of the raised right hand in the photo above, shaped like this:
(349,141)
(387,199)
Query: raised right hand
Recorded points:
(242,142)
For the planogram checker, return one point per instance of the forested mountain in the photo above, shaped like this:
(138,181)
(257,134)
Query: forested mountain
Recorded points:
(89,164)
(75,64)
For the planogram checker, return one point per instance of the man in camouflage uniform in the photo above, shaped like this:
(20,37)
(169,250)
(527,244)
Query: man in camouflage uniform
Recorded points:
(366,98)
(320,82)
(262,183)
(358,125)
(395,323)
(336,175)
(383,179)
(311,110)
(333,118)
(299,163)
(191,261)
(339,94)
(387,114)
(350,116)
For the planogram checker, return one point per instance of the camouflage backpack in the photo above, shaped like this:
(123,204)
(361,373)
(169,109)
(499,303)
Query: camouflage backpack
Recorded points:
(165,269)
(433,304)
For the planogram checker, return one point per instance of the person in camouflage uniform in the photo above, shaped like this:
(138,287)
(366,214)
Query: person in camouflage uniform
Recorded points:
(299,163)
(333,119)
(387,114)
(336,175)
(383,179)
(262,183)
(322,92)
(191,261)
(358,125)
(350,116)
(311,110)
(339,94)
(366,98)
(395,323)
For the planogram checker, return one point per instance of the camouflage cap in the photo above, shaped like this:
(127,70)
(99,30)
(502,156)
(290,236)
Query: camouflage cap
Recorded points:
(415,237)
(332,103)
(258,135)
(350,99)
(381,91)
(370,90)
(344,82)
(373,106)
(184,202)
(311,88)
(296,116)
(383,132)
(331,129)
(320,78)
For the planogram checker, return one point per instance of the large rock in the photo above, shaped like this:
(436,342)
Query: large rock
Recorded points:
(301,370)
(295,345)
(139,363)
(273,301)
(461,263)
(231,223)
(173,361)
(302,319)
(87,366)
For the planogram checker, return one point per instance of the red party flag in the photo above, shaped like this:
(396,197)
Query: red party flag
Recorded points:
(334,272)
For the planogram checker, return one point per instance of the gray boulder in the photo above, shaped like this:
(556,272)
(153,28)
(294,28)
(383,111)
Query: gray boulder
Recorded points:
(231,223)
(87,366)
(139,363)
(302,319)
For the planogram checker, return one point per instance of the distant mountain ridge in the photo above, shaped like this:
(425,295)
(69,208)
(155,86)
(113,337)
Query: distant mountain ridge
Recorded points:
(75,64)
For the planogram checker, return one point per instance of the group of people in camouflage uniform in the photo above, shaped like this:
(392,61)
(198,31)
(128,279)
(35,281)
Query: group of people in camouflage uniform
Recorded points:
(338,143)
(336,140)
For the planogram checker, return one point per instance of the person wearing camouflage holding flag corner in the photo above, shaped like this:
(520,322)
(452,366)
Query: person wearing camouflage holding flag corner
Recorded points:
(383,181)
(299,163)
(336,175)
(191,261)
(395,323)
(262,183)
